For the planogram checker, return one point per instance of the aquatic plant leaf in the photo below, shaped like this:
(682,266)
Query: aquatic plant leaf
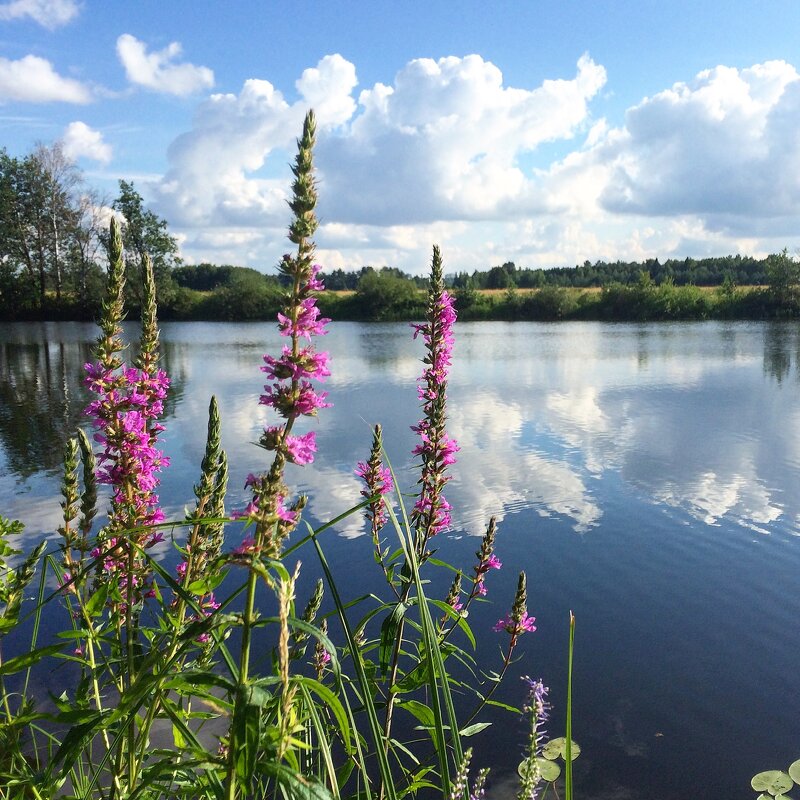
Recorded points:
(556,748)
(549,770)
(794,771)
(772,781)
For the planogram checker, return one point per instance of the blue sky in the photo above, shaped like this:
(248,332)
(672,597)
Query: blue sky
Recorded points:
(546,132)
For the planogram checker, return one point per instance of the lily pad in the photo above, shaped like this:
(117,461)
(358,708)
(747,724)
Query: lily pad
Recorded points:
(794,771)
(556,748)
(772,781)
(547,769)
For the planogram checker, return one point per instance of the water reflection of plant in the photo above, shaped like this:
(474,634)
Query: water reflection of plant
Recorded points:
(150,650)
(42,399)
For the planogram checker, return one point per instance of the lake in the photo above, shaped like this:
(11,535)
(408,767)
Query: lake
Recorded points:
(645,476)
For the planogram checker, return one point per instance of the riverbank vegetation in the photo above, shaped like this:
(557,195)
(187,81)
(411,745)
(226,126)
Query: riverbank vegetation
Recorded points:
(53,245)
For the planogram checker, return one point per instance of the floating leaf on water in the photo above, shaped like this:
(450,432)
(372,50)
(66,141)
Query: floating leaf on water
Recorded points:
(773,781)
(549,770)
(556,748)
(794,771)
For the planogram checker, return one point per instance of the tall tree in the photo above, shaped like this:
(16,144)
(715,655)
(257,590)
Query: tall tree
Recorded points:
(41,215)
(58,183)
(144,233)
(20,224)
(783,275)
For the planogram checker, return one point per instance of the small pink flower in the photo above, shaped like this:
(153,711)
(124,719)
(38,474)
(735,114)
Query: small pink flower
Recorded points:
(510,626)
(301,449)
(246,548)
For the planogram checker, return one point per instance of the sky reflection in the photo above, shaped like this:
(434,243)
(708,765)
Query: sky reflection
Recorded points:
(696,417)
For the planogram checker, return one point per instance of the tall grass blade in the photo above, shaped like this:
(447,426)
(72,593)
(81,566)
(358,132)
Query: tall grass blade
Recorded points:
(568,765)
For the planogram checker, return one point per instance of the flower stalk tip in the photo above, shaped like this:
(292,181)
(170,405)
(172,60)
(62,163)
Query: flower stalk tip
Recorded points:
(436,449)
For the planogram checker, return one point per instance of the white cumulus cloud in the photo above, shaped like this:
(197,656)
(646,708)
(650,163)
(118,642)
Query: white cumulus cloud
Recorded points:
(212,180)
(723,147)
(81,141)
(33,80)
(50,14)
(441,143)
(158,70)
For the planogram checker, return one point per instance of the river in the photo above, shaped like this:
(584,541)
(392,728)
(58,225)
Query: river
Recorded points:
(644,475)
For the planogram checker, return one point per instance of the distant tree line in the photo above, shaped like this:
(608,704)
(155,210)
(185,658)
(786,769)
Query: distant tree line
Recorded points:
(741,270)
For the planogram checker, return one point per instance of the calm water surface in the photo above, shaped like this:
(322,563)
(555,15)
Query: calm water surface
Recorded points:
(645,476)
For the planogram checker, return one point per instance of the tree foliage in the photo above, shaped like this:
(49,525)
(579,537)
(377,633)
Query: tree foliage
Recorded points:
(48,231)
(145,233)
(783,275)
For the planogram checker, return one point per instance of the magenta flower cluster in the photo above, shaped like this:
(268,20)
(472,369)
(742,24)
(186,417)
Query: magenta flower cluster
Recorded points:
(436,448)
(292,394)
(514,627)
(123,415)
(480,569)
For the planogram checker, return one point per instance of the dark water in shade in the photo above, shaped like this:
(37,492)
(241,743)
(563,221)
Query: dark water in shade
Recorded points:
(644,476)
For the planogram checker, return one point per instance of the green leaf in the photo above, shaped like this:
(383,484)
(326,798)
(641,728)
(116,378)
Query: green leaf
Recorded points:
(471,730)
(389,630)
(28,659)
(246,726)
(97,602)
(207,584)
(296,785)
(418,676)
(333,703)
(549,770)
(558,747)
(76,739)
(794,771)
(505,706)
(772,781)
(422,712)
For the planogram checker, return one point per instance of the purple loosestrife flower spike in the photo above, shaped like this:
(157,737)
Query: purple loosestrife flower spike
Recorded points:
(322,658)
(486,560)
(461,778)
(290,392)
(517,622)
(436,449)
(478,791)
(129,402)
(453,598)
(377,482)
(205,539)
(537,708)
